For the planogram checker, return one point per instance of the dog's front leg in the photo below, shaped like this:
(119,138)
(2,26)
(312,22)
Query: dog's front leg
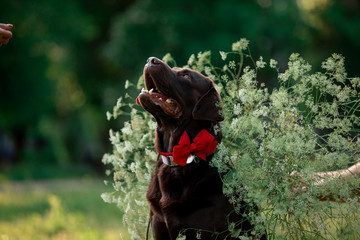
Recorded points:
(159,229)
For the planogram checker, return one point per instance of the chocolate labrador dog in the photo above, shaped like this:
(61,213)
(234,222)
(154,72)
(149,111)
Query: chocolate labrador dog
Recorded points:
(185,192)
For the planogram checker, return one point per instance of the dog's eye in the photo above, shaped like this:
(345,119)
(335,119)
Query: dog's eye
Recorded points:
(187,76)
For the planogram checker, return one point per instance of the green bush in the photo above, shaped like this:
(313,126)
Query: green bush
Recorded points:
(308,123)
(132,162)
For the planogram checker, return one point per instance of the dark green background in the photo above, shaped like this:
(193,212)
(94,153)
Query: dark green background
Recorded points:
(68,61)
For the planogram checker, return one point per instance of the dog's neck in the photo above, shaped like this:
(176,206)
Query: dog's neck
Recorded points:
(168,136)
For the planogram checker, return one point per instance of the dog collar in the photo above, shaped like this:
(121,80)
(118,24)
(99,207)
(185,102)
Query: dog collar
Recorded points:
(185,152)
(167,160)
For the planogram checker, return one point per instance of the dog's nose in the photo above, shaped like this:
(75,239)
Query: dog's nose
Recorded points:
(153,61)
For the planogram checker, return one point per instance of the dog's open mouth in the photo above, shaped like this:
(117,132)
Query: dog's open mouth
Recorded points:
(170,106)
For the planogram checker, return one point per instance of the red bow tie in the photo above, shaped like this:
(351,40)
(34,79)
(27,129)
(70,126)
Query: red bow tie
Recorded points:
(203,143)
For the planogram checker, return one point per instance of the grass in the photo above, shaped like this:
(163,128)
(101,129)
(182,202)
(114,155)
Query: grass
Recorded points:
(72,209)
(58,209)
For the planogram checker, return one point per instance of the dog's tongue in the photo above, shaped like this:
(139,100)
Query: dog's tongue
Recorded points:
(168,105)
(138,101)
(158,95)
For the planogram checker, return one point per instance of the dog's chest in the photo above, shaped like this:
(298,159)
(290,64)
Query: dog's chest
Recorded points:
(181,185)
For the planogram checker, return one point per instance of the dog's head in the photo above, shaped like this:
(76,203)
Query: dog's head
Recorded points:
(179,99)
(178,94)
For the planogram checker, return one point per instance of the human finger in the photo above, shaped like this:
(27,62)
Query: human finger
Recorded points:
(5,34)
(6,26)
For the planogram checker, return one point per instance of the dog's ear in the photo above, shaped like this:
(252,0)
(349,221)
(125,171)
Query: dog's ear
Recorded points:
(208,107)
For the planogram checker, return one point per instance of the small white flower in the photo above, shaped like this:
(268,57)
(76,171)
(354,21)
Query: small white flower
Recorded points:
(260,63)
(127,84)
(106,197)
(243,95)
(128,146)
(273,63)
(140,203)
(119,103)
(232,65)
(219,87)
(237,109)
(191,60)
(168,58)
(127,129)
(223,55)
(355,82)
(249,77)
(181,237)
(224,77)
(240,45)
(108,115)
(209,73)
(283,77)
(152,125)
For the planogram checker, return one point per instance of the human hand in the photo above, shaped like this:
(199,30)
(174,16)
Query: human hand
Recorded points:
(5,33)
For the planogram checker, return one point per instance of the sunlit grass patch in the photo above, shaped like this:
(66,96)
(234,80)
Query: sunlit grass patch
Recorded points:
(58,209)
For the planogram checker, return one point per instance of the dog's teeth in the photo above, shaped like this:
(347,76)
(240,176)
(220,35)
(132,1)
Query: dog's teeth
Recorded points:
(160,99)
(169,100)
(143,90)
(151,91)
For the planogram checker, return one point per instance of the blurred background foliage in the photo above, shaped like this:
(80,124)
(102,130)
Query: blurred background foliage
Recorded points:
(68,61)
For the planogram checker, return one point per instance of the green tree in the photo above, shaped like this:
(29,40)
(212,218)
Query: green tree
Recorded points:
(54,86)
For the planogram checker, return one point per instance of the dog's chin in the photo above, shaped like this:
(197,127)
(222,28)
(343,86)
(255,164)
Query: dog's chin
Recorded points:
(158,104)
